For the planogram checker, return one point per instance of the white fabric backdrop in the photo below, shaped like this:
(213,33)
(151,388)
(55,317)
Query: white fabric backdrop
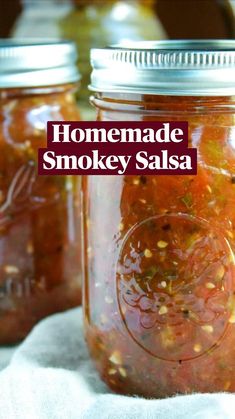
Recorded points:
(50,376)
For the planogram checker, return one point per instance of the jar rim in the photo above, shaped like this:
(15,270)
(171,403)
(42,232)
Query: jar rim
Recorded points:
(179,67)
(35,63)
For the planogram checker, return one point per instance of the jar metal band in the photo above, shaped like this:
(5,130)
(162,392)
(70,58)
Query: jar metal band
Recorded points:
(33,64)
(185,68)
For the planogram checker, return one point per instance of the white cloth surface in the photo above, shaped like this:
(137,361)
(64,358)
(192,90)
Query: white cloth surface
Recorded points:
(6,355)
(50,376)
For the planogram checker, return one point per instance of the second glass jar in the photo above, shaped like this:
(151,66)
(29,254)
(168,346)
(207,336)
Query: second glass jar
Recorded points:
(40,270)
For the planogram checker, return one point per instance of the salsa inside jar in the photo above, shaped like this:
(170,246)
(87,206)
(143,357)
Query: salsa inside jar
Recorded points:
(40,270)
(159,286)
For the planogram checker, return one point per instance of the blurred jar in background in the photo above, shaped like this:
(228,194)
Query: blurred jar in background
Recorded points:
(39,215)
(91,23)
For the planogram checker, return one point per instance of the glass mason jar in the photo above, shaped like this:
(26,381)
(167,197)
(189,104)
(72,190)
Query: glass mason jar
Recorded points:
(159,296)
(90,23)
(39,216)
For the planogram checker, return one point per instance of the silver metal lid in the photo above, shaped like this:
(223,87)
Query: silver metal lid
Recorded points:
(179,68)
(35,63)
